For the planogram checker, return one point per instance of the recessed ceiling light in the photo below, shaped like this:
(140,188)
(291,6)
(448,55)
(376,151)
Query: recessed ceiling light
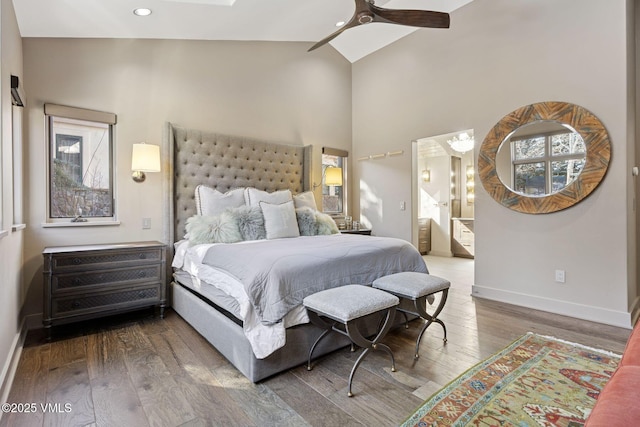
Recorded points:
(340,23)
(142,12)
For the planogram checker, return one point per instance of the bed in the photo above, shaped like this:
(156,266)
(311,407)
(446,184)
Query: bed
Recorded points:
(250,311)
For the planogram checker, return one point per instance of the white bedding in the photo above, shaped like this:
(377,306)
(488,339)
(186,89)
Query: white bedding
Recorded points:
(264,339)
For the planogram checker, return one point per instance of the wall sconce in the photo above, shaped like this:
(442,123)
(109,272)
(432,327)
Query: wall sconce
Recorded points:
(426,175)
(144,158)
(470,184)
(333,176)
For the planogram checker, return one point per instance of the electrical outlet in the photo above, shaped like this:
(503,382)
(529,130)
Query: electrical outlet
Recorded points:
(146,223)
(560,276)
(403,206)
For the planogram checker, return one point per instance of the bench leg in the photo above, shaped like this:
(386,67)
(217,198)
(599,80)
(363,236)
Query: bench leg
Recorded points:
(321,323)
(356,336)
(420,305)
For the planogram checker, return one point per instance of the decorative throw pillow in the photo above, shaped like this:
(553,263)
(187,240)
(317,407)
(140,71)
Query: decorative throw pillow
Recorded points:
(307,223)
(280,220)
(305,199)
(255,196)
(250,222)
(221,228)
(212,202)
(326,224)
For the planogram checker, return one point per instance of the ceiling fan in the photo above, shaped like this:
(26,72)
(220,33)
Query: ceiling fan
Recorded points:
(366,12)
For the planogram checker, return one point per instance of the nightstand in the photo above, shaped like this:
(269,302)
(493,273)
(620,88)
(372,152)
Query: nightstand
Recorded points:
(89,281)
(363,231)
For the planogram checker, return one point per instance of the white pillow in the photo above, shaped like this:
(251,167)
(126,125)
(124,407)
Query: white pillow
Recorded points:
(280,220)
(305,200)
(255,196)
(211,202)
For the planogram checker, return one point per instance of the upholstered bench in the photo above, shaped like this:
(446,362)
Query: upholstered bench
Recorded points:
(417,288)
(345,305)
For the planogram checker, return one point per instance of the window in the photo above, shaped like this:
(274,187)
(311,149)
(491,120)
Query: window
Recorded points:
(16,116)
(547,163)
(81,164)
(334,168)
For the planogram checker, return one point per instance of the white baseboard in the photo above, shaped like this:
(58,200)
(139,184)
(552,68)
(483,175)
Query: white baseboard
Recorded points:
(11,364)
(579,311)
(635,310)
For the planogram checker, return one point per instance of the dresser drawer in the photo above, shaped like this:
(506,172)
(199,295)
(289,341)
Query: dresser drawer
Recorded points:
(67,282)
(104,259)
(89,281)
(465,235)
(93,303)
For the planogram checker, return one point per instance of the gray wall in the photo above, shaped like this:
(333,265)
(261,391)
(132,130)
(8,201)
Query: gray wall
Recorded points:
(274,91)
(500,55)
(11,292)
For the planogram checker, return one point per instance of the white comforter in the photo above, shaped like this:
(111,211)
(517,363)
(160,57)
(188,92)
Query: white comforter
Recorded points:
(269,278)
(264,339)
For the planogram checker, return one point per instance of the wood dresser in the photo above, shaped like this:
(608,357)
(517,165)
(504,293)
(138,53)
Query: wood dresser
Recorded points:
(424,235)
(89,281)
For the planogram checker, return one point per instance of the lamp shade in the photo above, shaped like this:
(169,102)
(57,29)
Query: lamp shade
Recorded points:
(145,158)
(333,176)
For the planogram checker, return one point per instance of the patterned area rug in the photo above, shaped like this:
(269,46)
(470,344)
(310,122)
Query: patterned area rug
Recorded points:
(535,381)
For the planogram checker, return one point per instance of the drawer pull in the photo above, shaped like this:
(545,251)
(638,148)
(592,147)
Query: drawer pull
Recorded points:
(76,282)
(76,261)
(142,275)
(143,256)
(75,304)
(141,295)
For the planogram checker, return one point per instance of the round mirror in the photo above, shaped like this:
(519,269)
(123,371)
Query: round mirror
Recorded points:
(544,157)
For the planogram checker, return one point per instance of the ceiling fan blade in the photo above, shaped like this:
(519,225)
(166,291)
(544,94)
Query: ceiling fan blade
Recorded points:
(350,24)
(367,12)
(412,18)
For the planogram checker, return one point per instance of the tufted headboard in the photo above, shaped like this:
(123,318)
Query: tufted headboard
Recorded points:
(225,162)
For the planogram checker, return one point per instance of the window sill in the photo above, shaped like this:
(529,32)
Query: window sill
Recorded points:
(78,224)
(4,233)
(18,227)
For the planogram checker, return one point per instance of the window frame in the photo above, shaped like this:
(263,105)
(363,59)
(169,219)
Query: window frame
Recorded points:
(79,116)
(18,174)
(547,158)
(344,160)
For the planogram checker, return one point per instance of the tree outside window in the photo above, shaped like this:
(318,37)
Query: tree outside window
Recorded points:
(545,164)
(80,168)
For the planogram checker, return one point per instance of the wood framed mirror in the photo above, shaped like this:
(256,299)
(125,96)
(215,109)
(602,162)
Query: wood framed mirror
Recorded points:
(572,173)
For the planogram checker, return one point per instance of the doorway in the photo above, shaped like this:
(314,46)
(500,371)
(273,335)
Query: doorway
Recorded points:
(443,194)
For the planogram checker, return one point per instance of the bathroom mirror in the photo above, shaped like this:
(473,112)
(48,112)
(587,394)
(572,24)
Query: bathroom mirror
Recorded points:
(544,157)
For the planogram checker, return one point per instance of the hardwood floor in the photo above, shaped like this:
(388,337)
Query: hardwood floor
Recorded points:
(137,370)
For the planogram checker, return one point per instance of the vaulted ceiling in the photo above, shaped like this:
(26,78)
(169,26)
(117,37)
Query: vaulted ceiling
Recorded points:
(256,20)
